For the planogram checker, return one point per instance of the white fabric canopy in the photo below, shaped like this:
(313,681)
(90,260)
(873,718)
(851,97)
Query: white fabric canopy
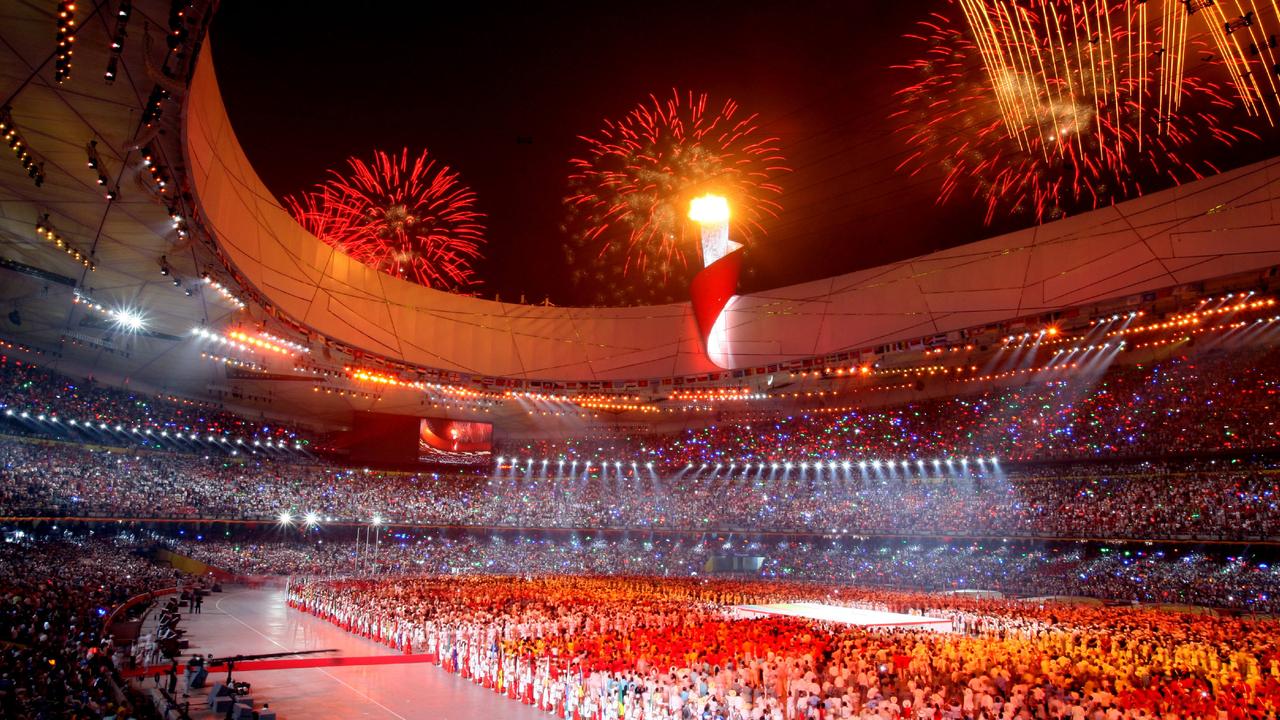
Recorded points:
(1218,226)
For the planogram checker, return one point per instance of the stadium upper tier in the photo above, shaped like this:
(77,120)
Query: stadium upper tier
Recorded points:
(1218,226)
(1210,400)
(1177,450)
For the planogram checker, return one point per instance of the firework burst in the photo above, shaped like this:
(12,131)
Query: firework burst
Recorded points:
(408,217)
(1060,106)
(629,193)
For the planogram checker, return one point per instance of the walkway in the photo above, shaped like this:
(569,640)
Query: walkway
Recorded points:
(251,621)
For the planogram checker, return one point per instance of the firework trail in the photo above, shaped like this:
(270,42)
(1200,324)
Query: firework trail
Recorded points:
(407,217)
(1048,107)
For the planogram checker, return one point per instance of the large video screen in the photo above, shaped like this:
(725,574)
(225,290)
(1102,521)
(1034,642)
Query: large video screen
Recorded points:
(454,442)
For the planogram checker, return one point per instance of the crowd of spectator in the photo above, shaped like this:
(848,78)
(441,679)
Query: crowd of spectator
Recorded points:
(97,409)
(55,595)
(1205,499)
(1146,575)
(669,649)
(1212,401)
(1224,400)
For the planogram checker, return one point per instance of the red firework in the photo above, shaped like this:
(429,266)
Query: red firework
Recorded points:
(411,218)
(629,193)
(1070,106)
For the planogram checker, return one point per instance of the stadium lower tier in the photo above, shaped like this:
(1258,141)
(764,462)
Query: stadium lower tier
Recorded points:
(528,626)
(1212,499)
(1243,578)
(57,592)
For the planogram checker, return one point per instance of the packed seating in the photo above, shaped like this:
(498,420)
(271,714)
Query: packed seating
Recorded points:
(649,648)
(1209,402)
(35,390)
(1207,499)
(1146,575)
(56,594)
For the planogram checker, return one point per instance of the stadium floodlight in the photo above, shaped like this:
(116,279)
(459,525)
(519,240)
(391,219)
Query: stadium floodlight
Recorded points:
(995,460)
(285,518)
(501,459)
(845,464)
(311,519)
(24,415)
(128,319)
(788,465)
(804,465)
(875,464)
(377,520)
(773,466)
(964,461)
(862,464)
(9,412)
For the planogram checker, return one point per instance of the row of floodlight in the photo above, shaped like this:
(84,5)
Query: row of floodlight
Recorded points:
(874,464)
(561,462)
(312,519)
(134,430)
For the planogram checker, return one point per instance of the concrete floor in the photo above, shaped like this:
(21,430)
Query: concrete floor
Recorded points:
(250,621)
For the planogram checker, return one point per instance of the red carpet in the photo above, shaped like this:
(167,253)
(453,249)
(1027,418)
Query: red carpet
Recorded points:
(303,662)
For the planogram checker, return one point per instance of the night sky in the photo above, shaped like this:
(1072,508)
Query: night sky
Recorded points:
(309,84)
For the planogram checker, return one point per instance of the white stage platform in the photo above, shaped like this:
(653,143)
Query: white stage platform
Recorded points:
(847,615)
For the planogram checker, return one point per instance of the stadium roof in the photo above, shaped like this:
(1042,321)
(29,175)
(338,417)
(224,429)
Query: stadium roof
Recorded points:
(1219,226)
(230,228)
